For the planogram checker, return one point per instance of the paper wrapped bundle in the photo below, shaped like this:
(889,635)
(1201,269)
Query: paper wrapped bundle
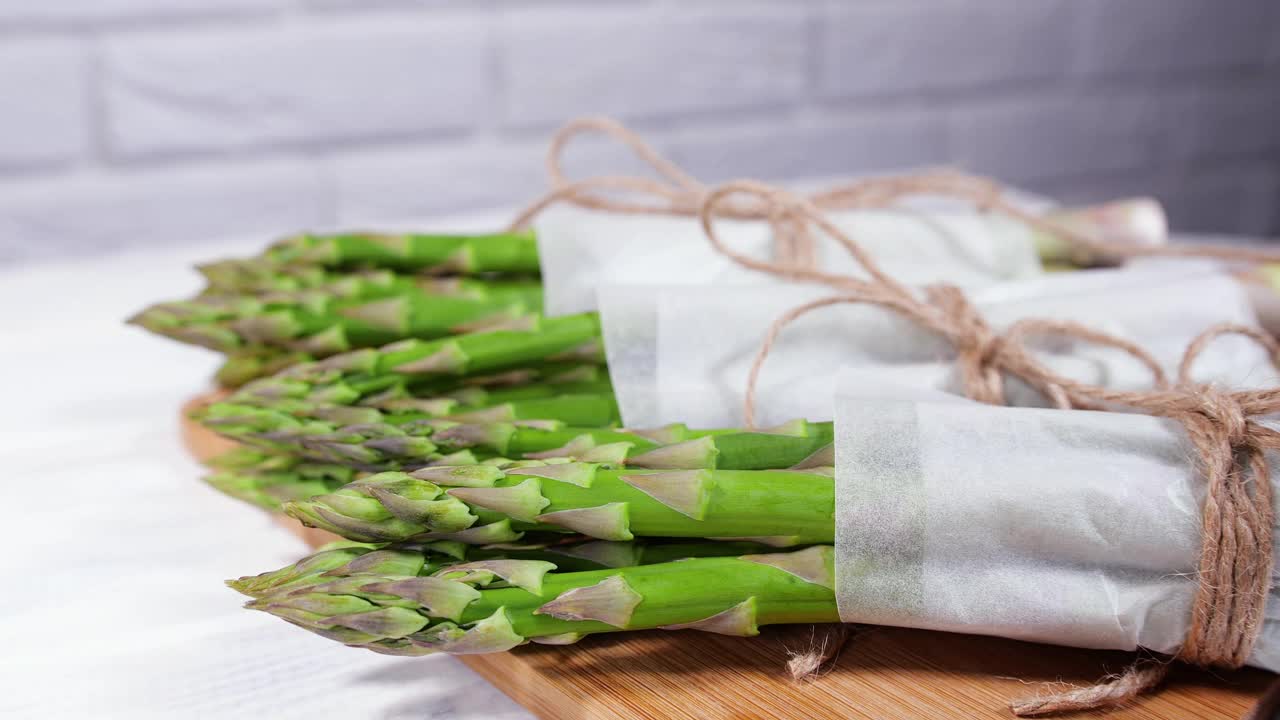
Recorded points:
(1069,527)
(581,251)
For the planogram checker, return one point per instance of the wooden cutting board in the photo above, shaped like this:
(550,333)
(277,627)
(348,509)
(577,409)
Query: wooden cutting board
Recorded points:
(883,673)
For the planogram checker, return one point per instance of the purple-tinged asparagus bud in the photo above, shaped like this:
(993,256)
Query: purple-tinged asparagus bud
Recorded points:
(474,476)
(391,314)
(606,522)
(610,601)
(524,574)
(823,457)
(574,473)
(739,621)
(441,597)
(450,359)
(522,502)
(700,453)
(815,564)
(685,491)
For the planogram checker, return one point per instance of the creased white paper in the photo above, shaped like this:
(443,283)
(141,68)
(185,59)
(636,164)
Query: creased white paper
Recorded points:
(682,353)
(582,250)
(1068,527)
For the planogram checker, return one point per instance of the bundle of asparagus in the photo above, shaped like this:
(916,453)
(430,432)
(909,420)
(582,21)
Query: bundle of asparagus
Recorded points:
(430,412)
(314,296)
(464,487)
(483,444)
(409,600)
(311,296)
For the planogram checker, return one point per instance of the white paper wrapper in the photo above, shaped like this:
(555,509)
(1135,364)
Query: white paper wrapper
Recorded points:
(1067,527)
(581,250)
(682,353)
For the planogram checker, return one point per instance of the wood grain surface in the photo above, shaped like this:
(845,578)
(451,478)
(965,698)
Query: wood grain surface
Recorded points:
(882,674)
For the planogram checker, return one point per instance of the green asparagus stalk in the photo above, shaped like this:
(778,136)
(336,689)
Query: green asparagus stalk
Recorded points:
(543,379)
(506,252)
(257,277)
(482,504)
(347,378)
(251,363)
(305,465)
(1136,221)
(270,481)
(240,276)
(460,609)
(371,439)
(319,269)
(368,438)
(424,559)
(358,313)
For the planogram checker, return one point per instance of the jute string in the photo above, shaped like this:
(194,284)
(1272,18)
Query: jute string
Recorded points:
(1238,517)
(1234,569)
(673,192)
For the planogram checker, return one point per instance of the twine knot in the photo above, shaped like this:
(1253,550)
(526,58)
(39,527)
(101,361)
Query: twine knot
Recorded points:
(977,346)
(1224,413)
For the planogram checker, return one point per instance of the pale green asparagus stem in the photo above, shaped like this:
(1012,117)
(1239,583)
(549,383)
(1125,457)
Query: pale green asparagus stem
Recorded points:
(373,440)
(347,378)
(508,252)
(356,314)
(423,559)
(251,363)
(270,481)
(259,278)
(482,504)
(463,609)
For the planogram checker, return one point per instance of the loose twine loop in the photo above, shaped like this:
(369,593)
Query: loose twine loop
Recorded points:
(676,193)
(1238,517)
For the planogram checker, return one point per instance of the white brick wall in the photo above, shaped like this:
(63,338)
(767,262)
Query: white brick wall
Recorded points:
(286,84)
(889,48)
(157,206)
(72,13)
(635,64)
(44,93)
(160,121)
(1159,37)
(1024,139)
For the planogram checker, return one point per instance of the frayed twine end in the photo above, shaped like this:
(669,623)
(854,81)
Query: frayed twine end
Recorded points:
(808,664)
(1110,692)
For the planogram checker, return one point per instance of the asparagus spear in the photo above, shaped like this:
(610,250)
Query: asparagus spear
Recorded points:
(355,314)
(256,276)
(314,464)
(374,440)
(269,481)
(367,438)
(541,379)
(423,559)
(1139,221)
(238,276)
(507,252)
(482,504)
(347,378)
(250,363)
(457,609)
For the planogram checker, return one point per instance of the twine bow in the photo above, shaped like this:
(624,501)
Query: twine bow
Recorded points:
(1238,516)
(676,193)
